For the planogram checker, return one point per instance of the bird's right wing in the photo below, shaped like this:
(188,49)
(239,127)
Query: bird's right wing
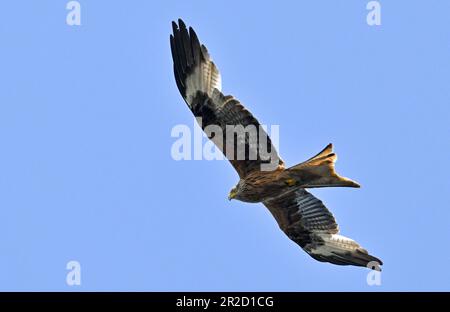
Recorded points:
(199,82)
(306,221)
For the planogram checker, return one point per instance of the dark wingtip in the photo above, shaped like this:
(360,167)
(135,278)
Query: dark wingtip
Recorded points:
(377,266)
(181,23)
(193,35)
(192,32)
(174,27)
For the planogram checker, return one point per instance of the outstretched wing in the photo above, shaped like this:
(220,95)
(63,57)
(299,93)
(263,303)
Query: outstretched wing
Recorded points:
(199,82)
(306,221)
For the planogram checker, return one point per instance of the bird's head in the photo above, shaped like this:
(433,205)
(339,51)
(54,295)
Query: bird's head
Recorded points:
(233,193)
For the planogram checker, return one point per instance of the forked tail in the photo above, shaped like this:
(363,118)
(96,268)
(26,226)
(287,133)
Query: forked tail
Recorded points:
(318,171)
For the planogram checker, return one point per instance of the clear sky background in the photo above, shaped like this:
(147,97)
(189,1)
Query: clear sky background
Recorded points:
(86,172)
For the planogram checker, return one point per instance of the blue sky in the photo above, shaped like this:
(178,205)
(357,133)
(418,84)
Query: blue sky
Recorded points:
(86,172)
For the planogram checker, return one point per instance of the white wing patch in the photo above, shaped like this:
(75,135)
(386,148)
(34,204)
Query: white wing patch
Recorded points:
(334,243)
(204,78)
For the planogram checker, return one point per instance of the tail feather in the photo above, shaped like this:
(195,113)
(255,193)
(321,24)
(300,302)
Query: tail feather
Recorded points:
(327,150)
(319,171)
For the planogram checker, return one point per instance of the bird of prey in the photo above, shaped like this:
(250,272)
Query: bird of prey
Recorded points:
(300,215)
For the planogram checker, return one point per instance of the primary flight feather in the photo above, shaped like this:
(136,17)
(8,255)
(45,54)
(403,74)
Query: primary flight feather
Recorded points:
(301,216)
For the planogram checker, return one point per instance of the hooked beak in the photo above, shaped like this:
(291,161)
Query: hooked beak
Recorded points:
(232,195)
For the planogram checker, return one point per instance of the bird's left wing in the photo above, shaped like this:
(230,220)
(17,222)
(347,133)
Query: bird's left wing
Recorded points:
(306,221)
(199,82)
